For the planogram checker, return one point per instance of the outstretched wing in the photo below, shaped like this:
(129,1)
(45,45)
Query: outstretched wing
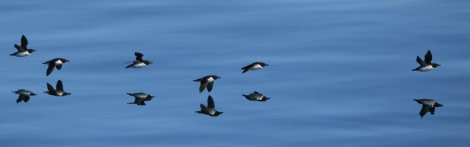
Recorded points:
(209,86)
(138,56)
(428,57)
(203,85)
(128,66)
(419,60)
(203,108)
(246,68)
(24,42)
(19,48)
(424,110)
(210,102)
(50,68)
(20,98)
(50,88)
(59,86)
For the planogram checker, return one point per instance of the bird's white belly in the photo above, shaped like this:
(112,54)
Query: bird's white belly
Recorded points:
(139,65)
(141,96)
(59,93)
(212,111)
(58,62)
(210,79)
(429,102)
(24,92)
(426,68)
(23,54)
(257,66)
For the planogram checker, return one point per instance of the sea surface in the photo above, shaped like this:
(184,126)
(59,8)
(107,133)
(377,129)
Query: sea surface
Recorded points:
(339,72)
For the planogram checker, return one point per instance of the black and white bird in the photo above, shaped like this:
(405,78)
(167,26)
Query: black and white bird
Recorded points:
(207,81)
(425,65)
(22,50)
(428,105)
(140,98)
(57,63)
(210,108)
(23,95)
(254,66)
(256,96)
(58,91)
(139,62)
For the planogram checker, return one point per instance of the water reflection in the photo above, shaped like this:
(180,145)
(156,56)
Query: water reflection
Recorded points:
(23,95)
(427,105)
(256,96)
(210,109)
(59,91)
(140,98)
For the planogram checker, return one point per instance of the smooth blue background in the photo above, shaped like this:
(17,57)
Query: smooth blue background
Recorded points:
(339,75)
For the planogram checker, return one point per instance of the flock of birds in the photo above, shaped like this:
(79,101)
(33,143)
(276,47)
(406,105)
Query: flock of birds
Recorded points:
(206,82)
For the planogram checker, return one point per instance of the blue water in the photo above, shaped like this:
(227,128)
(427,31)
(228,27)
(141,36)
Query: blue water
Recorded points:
(339,74)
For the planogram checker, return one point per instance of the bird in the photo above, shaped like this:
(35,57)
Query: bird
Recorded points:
(254,66)
(207,81)
(56,62)
(139,62)
(23,50)
(210,109)
(59,91)
(256,96)
(140,98)
(425,65)
(427,105)
(23,95)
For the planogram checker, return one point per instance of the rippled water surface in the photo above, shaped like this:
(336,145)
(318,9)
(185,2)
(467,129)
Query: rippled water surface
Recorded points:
(339,72)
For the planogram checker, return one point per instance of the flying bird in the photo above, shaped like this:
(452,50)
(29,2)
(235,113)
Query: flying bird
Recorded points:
(139,62)
(425,65)
(140,98)
(207,81)
(57,63)
(254,66)
(59,91)
(22,50)
(256,96)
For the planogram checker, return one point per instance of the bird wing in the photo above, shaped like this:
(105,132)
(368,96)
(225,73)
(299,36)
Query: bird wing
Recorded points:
(138,56)
(209,86)
(19,48)
(203,108)
(210,102)
(59,86)
(424,110)
(246,68)
(24,42)
(128,66)
(20,98)
(26,98)
(420,61)
(50,68)
(428,57)
(50,88)
(203,85)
